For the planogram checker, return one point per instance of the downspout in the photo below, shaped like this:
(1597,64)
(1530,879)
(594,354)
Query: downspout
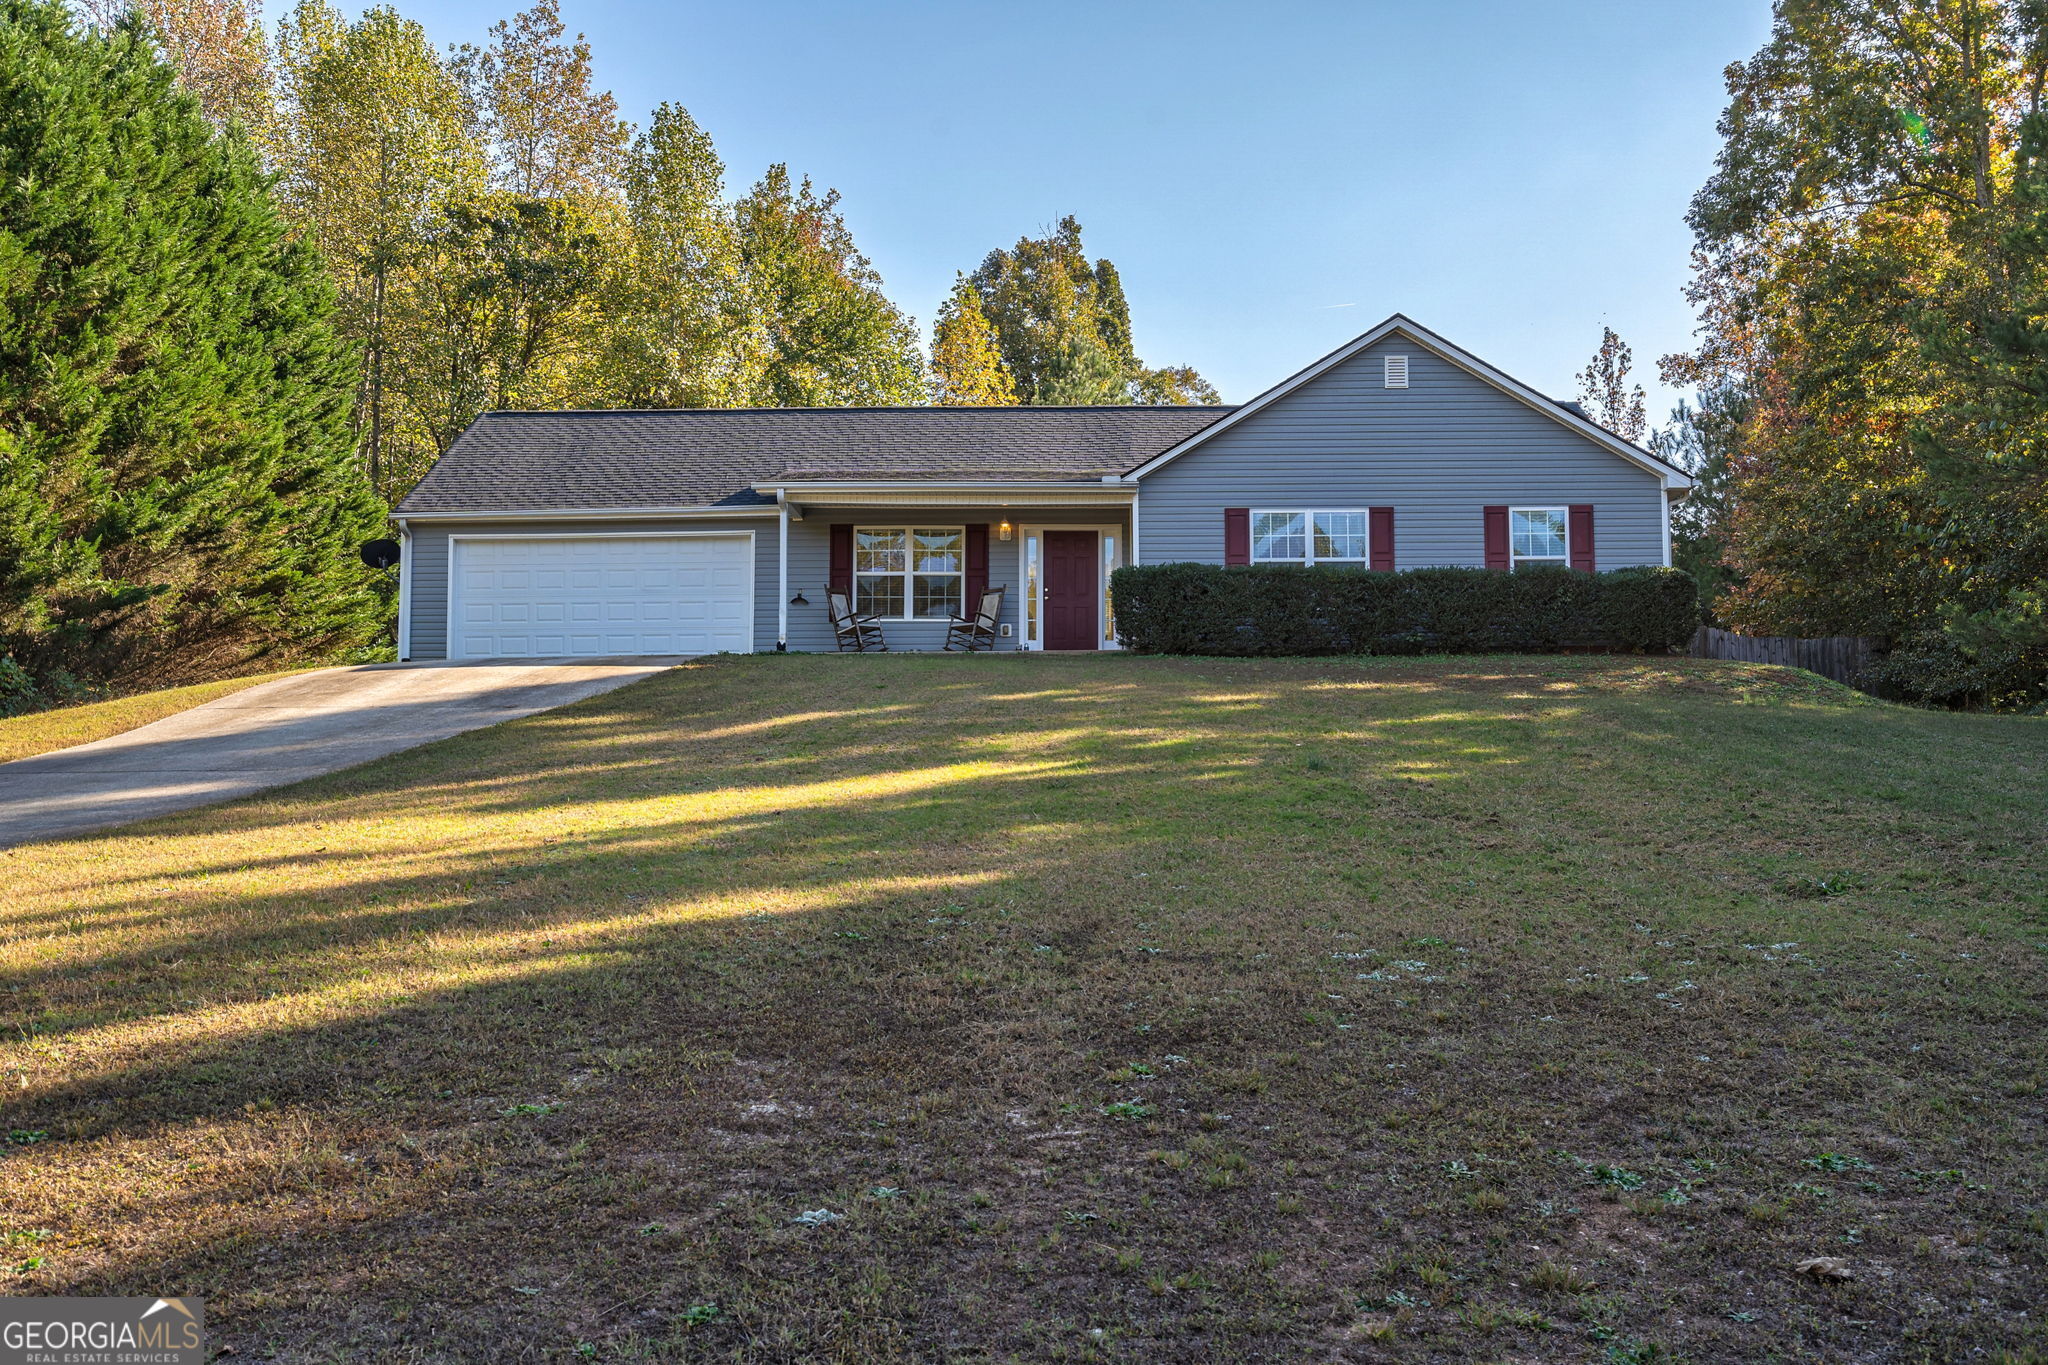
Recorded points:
(782,571)
(404,590)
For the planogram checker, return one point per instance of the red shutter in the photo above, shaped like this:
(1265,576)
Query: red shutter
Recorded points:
(1382,539)
(1580,528)
(1497,538)
(1237,535)
(842,560)
(977,568)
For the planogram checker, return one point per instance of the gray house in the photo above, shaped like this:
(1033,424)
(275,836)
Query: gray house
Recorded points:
(552,534)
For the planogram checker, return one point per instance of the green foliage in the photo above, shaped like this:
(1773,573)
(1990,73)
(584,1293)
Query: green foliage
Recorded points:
(967,365)
(682,334)
(553,135)
(377,140)
(497,296)
(179,491)
(18,691)
(22,692)
(1063,327)
(832,338)
(1873,268)
(1702,440)
(1292,610)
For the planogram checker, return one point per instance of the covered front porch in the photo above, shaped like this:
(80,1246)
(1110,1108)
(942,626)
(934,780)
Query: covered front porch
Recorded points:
(914,556)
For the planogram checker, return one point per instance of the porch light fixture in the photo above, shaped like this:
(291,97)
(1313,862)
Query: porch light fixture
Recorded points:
(1004,530)
(799,600)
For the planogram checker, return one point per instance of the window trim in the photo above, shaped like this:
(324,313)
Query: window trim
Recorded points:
(1564,516)
(1308,533)
(909,573)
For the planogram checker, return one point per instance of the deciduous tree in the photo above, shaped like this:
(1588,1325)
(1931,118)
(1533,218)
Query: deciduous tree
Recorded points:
(1865,273)
(218,49)
(552,133)
(1063,326)
(967,365)
(1606,393)
(831,335)
(378,142)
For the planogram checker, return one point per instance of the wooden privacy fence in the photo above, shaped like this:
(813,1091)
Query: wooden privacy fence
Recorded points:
(1840,657)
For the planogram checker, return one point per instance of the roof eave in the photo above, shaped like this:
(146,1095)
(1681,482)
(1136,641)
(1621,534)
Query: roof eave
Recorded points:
(696,512)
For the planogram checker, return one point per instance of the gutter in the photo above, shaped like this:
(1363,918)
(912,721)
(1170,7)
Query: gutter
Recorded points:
(599,514)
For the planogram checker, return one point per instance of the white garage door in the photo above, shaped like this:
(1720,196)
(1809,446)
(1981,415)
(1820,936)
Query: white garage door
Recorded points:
(532,597)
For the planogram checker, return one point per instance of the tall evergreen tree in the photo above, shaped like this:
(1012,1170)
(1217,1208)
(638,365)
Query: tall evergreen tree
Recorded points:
(1064,327)
(967,365)
(180,491)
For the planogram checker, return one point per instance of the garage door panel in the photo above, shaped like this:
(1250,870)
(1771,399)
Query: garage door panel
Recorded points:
(543,597)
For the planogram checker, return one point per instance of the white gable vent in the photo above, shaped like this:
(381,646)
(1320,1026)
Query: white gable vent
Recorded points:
(1397,371)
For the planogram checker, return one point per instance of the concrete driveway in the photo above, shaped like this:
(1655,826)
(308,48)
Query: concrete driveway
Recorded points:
(284,731)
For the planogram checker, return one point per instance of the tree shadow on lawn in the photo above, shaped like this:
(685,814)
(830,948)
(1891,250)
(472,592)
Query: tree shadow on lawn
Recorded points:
(746,1007)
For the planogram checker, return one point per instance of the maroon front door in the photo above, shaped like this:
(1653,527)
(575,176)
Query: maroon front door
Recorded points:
(1072,592)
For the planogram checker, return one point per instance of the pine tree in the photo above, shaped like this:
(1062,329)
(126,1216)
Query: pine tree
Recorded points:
(180,492)
(967,366)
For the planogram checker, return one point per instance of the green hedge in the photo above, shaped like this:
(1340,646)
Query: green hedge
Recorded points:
(1287,609)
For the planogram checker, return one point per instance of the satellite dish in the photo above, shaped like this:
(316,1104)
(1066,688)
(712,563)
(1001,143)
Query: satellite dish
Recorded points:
(380,554)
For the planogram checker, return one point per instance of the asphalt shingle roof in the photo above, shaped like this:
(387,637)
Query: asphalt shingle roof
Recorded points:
(706,457)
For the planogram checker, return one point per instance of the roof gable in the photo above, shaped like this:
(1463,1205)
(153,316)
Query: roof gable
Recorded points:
(1409,330)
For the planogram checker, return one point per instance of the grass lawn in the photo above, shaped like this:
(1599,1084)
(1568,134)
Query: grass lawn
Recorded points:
(927,1008)
(46,731)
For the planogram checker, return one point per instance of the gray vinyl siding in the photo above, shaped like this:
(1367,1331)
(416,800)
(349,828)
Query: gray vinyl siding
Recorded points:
(810,566)
(810,550)
(1437,452)
(429,638)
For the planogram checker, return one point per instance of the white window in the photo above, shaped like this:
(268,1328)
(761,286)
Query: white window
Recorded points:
(1536,535)
(1397,371)
(908,573)
(1309,537)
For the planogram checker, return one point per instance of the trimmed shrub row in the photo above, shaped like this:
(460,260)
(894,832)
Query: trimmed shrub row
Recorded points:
(1272,609)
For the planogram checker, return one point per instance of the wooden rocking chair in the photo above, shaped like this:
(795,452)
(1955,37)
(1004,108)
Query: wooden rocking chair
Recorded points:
(858,633)
(979,630)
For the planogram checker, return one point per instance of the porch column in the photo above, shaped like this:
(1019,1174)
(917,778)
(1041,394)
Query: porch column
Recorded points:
(782,571)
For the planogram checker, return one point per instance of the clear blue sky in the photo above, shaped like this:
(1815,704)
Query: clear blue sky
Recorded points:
(1271,178)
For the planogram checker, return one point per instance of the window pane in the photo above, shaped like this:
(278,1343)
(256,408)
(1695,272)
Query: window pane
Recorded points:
(1340,535)
(1031,588)
(878,595)
(936,551)
(1108,568)
(1538,535)
(1278,535)
(936,595)
(877,551)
